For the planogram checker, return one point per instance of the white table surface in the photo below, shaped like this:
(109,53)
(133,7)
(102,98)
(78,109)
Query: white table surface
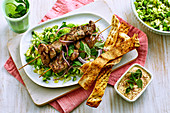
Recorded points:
(15,98)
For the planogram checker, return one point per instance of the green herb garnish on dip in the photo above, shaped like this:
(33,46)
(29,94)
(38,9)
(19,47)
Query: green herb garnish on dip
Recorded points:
(133,82)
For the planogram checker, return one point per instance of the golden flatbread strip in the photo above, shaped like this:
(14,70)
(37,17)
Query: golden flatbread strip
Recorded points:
(124,28)
(102,79)
(85,66)
(137,43)
(113,62)
(101,83)
(91,73)
(96,96)
(112,37)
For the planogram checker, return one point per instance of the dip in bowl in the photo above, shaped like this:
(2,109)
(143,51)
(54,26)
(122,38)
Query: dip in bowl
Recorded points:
(133,82)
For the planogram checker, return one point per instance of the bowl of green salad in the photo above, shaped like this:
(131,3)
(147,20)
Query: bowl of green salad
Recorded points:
(153,14)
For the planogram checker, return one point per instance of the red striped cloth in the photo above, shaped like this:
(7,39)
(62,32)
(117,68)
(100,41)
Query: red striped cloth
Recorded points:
(70,101)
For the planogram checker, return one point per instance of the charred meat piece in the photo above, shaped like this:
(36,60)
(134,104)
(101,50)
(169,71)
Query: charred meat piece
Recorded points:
(52,53)
(74,55)
(54,48)
(45,59)
(79,34)
(57,46)
(92,25)
(89,28)
(58,64)
(43,48)
(68,37)
(77,45)
(90,40)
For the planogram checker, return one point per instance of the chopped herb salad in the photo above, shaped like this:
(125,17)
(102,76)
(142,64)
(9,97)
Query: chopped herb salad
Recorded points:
(155,13)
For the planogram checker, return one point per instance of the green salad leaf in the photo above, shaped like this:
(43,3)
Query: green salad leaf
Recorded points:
(87,49)
(81,46)
(99,45)
(77,63)
(94,52)
(71,49)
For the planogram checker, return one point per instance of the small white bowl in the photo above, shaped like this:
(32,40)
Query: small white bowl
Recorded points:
(127,99)
(145,25)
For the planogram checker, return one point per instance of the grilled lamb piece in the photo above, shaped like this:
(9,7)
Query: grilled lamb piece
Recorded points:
(79,32)
(58,64)
(68,37)
(90,40)
(57,46)
(74,55)
(89,28)
(43,48)
(54,48)
(52,53)
(77,45)
(45,59)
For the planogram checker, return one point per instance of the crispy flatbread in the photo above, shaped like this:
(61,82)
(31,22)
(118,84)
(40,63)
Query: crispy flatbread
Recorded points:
(96,96)
(112,37)
(93,70)
(85,66)
(124,28)
(101,83)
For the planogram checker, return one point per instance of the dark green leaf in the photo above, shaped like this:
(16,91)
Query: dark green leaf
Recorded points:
(82,55)
(130,81)
(71,46)
(19,8)
(139,72)
(139,83)
(127,90)
(76,63)
(94,52)
(131,86)
(133,78)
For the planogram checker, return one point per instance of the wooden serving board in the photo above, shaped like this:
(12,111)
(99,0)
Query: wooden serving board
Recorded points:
(41,95)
